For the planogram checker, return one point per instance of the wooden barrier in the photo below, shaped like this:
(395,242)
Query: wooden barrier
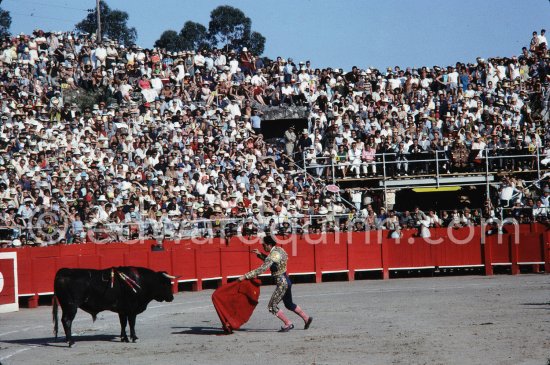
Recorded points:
(317,254)
(546,248)
(9,296)
(364,252)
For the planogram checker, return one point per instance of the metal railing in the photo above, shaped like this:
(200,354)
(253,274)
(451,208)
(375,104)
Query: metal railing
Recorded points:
(421,163)
(525,214)
(248,228)
(434,166)
(253,225)
(304,170)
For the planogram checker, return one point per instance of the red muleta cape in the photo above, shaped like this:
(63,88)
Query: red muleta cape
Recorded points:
(235,302)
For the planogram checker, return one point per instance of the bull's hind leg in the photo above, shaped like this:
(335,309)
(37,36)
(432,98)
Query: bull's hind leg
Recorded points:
(132,323)
(123,320)
(67,321)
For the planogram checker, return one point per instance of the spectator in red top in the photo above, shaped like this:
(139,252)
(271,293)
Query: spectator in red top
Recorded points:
(247,63)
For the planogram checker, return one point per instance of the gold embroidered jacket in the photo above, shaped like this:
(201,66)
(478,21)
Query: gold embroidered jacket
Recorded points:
(276,261)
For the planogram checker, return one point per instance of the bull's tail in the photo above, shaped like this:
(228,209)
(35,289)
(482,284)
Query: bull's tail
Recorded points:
(54,316)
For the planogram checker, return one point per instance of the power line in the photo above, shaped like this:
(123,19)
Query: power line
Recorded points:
(48,5)
(44,17)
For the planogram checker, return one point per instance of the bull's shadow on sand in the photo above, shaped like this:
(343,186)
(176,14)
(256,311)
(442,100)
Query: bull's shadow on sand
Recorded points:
(538,305)
(212,331)
(60,342)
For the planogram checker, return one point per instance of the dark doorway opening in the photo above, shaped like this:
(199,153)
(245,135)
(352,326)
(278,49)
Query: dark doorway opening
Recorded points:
(276,128)
(471,197)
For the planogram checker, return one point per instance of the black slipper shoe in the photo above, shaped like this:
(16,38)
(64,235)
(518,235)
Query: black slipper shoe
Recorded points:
(286,329)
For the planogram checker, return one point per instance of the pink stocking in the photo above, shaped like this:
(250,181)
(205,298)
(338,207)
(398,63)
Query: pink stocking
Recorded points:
(301,313)
(283,318)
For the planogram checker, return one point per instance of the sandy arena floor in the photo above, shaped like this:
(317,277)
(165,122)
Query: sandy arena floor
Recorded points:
(451,320)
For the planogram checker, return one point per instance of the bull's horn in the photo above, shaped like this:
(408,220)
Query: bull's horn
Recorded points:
(170,276)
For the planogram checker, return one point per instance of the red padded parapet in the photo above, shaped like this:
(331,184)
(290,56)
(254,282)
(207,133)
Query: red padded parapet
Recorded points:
(314,254)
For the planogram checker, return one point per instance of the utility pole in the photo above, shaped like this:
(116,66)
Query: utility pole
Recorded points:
(98,21)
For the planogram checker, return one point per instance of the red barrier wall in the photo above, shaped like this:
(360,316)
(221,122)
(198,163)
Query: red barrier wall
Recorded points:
(315,254)
(332,254)
(530,248)
(364,251)
(302,255)
(8,290)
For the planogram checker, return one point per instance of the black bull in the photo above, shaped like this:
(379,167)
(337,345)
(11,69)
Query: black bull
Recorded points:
(123,290)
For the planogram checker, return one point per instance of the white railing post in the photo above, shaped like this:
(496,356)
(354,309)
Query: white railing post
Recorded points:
(538,162)
(437,168)
(385,190)
(333,172)
(487,173)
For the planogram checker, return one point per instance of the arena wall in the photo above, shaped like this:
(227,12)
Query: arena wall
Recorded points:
(218,259)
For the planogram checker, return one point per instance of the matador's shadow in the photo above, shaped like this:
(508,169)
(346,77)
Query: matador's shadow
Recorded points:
(212,331)
(199,330)
(545,306)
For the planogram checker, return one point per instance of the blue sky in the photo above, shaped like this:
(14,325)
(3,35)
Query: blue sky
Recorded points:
(331,33)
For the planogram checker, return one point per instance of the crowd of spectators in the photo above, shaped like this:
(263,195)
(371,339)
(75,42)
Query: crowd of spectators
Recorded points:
(461,113)
(175,137)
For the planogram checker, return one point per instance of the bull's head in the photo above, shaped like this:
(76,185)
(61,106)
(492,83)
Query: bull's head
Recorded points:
(164,292)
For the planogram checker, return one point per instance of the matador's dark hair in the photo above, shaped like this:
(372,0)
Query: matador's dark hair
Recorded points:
(269,240)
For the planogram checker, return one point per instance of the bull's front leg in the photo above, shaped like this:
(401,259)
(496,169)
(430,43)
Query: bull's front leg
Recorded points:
(132,322)
(123,320)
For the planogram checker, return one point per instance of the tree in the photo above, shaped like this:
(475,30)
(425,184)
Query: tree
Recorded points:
(194,36)
(256,43)
(228,25)
(5,22)
(113,24)
(169,40)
